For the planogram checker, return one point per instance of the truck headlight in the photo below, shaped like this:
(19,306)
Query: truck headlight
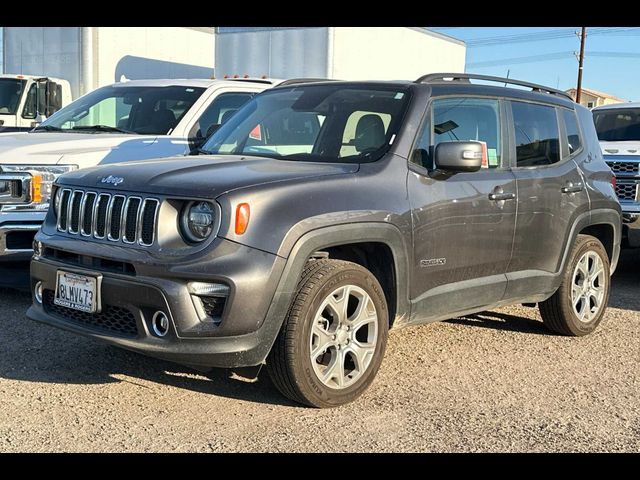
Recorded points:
(197,221)
(42,178)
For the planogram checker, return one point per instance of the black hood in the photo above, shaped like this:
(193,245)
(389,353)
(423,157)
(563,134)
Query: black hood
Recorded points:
(198,176)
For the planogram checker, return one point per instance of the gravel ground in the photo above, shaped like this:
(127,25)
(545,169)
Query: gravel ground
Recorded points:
(490,382)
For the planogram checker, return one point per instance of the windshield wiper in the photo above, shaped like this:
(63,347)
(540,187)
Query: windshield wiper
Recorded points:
(47,128)
(101,128)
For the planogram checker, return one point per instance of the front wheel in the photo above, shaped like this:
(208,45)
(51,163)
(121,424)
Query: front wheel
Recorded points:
(579,304)
(333,339)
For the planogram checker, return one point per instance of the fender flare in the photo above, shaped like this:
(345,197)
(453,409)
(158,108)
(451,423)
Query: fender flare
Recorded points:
(326,237)
(600,216)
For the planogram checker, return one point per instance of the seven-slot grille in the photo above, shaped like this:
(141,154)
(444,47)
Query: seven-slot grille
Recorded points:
(119,218)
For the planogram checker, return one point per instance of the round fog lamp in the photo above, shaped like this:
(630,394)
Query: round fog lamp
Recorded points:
(37,292)
(198,219)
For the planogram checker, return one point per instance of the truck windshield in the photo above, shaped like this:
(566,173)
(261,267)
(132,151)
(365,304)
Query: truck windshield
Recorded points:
(10,93)
(126,109)
(617,125)
(323,123)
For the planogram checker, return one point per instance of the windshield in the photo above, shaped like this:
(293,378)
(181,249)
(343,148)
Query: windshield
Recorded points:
(10,93)
(324,123)
(617,125)
(139,110)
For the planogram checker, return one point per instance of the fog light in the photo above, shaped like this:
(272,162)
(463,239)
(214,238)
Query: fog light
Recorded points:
(37,292)
(160,324)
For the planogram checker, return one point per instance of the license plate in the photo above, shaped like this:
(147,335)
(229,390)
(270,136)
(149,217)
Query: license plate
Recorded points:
(76,291)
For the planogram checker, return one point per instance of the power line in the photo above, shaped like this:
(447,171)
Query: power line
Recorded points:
(548,35)
(549,56)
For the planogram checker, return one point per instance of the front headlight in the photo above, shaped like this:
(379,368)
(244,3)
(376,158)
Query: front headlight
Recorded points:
(42,178)
(197,221)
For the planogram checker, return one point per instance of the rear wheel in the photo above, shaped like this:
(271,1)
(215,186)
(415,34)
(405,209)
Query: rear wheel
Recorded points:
(579,304)
(334,336)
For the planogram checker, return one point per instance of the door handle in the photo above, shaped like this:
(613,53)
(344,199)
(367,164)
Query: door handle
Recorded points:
(501,196)
(572,188)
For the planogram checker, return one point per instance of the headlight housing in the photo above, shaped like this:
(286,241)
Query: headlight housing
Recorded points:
(41,184)
(198,220)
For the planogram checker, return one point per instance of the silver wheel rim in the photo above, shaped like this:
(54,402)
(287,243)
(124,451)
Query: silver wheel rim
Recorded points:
(343,337)
(588,287)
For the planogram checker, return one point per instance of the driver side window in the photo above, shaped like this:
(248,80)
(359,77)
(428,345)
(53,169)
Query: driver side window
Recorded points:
(460,119)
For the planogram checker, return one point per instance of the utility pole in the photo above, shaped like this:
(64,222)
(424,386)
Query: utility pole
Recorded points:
(583,34)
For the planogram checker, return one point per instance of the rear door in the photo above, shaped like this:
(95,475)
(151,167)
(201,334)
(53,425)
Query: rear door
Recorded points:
(551,193)
(462,234)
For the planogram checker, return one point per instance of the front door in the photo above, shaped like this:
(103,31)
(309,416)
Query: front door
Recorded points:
(463,223)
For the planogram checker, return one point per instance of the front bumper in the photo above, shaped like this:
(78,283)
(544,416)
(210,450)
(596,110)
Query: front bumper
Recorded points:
(241,339)
(17,230)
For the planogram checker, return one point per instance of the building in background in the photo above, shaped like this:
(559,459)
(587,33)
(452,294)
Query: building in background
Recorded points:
(91,57)
(346,53)
(592,98)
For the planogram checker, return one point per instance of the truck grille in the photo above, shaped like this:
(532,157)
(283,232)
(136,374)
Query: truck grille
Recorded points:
(624,167)
(119,218)
(627,191)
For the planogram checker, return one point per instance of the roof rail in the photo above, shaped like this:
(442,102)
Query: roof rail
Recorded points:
(441,77)
(295,81)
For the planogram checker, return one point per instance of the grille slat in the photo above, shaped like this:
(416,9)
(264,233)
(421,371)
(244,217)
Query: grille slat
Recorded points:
(87,214)
(131,219)
(118,218)
(115,217)
(74,220)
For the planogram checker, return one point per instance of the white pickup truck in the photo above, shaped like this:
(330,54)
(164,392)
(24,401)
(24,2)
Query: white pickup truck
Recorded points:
(27,100)
(133,120)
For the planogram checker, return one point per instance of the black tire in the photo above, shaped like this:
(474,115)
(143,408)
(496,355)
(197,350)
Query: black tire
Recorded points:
(289,363)
(557,312)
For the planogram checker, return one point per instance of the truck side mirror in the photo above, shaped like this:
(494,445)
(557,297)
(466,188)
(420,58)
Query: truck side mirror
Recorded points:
(459,156)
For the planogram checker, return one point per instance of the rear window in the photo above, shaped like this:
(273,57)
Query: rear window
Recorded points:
(617,125)
(536,131)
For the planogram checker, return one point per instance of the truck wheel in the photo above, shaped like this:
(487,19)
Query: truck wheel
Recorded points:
(333,337)
(579,304)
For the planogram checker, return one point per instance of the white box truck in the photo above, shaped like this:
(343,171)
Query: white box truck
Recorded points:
(27,100)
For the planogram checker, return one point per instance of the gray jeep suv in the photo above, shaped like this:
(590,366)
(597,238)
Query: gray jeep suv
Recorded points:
(323,214)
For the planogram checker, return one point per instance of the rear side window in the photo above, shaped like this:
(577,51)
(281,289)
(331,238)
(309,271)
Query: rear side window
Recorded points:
(536,132)
(573,132)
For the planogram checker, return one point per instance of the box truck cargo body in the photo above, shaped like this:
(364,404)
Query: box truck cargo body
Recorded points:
(92,57)
(345,53)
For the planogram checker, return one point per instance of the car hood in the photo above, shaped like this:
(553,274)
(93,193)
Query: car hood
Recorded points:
(198,176)
(620,148)
(49,148)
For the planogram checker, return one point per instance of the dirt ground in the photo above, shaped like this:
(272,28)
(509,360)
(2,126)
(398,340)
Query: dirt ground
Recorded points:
(496,381)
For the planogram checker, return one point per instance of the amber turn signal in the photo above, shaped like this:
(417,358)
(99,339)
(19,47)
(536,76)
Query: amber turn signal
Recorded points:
(36,189)
(242,218)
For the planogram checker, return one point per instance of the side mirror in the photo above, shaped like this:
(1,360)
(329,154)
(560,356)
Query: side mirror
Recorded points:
(460,156)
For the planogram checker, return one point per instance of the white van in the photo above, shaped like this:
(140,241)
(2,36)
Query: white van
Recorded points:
(133,120)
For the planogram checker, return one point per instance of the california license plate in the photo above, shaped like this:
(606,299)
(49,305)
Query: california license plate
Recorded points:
(76,291)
